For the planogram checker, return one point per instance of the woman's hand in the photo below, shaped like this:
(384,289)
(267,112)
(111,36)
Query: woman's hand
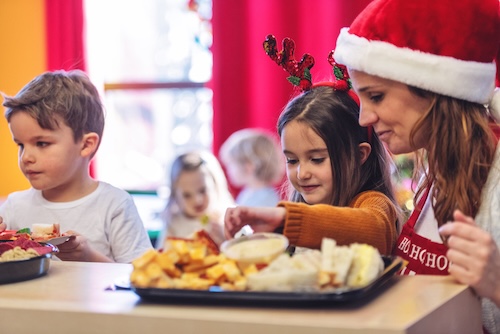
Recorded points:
(474,256)
(3,226)
(77,248)
(260,219)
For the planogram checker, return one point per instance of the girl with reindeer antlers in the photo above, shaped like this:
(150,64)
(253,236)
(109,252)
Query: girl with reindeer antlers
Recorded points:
(338,171)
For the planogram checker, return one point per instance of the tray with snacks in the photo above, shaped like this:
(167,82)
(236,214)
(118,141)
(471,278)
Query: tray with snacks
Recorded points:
(257,270)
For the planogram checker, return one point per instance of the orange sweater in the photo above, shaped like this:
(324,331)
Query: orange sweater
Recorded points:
(370,218)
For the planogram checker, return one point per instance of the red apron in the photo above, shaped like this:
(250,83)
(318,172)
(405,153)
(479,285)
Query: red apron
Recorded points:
(425,257)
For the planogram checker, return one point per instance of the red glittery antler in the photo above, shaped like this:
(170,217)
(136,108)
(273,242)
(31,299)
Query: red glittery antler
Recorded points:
(300,74)
(342,81)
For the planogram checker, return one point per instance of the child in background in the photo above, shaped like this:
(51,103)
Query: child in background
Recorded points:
(57,121)
(199,195)
(253,162)
(338,170)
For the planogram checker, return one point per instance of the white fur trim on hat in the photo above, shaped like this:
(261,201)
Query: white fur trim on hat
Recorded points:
(494,105)
(467,80)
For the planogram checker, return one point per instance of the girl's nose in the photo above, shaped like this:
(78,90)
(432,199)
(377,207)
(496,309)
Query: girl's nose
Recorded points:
(303,172)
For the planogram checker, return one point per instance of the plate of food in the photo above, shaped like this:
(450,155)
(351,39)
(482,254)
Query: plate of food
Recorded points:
(42,233)
(23,259)
(186,271)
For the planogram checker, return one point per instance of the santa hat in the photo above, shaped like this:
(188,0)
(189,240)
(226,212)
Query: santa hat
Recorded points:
(444,46)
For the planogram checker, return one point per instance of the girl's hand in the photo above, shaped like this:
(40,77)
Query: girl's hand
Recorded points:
(3,226)
(78,249)
(260,219)
(474,256)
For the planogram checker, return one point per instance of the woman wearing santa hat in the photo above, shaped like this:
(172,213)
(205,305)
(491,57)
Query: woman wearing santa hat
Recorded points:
(425,74)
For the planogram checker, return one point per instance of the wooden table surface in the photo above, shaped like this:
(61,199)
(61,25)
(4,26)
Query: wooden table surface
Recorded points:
(72,298)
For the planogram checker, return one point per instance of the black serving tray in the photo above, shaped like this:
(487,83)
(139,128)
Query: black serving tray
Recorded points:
(216,295)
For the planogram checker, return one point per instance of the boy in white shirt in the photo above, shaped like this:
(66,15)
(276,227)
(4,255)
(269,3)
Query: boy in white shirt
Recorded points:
(57,120)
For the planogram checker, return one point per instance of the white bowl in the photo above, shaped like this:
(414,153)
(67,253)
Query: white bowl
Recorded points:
(257,248)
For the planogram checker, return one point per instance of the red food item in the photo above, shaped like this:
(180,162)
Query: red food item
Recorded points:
(205,238)
(5,246)
(24,241)
(42,250)
(7,235)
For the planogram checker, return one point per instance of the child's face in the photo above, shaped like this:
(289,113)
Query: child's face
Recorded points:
(192,192)
(391,108)
(50,159)
(307,163)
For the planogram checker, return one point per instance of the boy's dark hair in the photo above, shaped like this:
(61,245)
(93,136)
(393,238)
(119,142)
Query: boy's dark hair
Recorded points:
(334,115)
(69,96)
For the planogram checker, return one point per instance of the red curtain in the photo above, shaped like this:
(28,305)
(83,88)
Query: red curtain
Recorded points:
(250,90)
(65,40)
(64,23)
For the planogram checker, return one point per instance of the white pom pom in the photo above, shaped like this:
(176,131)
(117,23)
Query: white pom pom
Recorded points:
(494,105)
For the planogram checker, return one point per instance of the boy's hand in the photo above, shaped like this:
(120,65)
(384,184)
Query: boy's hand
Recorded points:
(3,226)
(260,219)
(474,256)
(78,249)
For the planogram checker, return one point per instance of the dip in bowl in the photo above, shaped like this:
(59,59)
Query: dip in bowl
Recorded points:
(258,248)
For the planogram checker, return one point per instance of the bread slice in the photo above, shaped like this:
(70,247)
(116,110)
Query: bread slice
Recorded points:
(335,263)
(42,232)
(366,266)
(285,273)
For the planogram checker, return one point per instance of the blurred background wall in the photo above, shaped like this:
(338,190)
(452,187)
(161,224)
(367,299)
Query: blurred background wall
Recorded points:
(22,57)
(249,90)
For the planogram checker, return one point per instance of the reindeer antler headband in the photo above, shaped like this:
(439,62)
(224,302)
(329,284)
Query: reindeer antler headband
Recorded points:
(300,74)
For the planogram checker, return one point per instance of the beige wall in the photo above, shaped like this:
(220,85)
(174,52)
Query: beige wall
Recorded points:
(22,57)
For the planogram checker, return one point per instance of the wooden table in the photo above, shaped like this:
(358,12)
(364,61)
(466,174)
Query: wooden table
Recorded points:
(72,298)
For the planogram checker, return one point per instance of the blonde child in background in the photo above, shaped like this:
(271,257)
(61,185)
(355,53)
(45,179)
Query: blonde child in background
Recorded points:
(57,121)
(199,196)
(254,163)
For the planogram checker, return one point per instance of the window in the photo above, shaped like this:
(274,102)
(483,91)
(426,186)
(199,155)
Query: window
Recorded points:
(152,59)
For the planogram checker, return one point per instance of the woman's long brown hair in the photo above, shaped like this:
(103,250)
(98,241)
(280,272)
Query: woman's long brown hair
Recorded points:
(460,151)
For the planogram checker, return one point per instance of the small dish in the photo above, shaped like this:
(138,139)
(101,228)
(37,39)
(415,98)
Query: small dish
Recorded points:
(26,269)
(257,248)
